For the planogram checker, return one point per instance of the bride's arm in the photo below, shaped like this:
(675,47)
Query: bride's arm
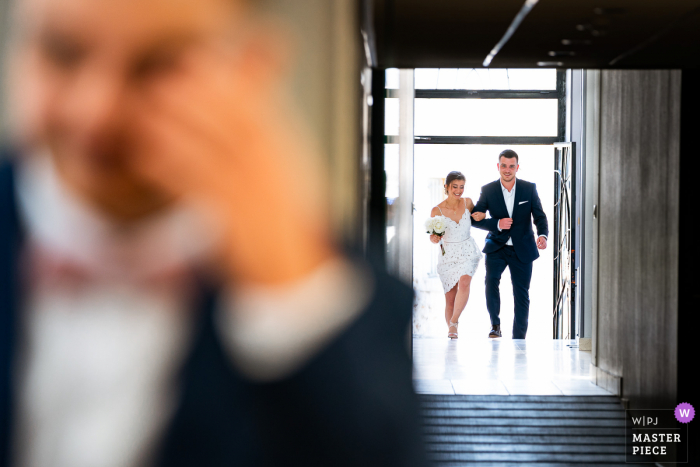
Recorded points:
(476,216)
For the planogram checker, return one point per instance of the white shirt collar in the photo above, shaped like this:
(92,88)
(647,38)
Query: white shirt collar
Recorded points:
(505,190)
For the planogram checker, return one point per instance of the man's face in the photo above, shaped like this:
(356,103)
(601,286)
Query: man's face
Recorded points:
(508,168)
(78,69)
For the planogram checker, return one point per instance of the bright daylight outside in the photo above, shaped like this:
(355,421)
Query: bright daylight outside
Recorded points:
(478,162)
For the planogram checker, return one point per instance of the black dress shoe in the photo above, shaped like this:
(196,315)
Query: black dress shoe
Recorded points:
(495,331)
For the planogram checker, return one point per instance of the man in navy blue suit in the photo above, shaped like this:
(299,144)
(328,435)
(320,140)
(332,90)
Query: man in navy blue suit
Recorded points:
(171,293)
(513,205)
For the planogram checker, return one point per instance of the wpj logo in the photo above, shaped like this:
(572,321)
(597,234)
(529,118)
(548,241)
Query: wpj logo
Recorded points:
(645,421)
(684,412)
(659,435)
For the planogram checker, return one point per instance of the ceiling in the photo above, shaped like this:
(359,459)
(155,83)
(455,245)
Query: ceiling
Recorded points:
(565,34)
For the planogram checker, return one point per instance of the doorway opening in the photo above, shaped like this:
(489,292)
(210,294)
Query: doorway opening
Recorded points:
(461,119)
(478,163)
(439,120)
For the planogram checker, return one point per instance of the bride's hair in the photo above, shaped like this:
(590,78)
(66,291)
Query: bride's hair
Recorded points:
(452,176)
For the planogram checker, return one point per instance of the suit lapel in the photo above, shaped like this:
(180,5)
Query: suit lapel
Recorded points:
(501,200)
(10,237)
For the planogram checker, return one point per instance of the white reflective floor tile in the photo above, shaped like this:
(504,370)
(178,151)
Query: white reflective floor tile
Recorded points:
(479,387)
(480,365)
(580,388)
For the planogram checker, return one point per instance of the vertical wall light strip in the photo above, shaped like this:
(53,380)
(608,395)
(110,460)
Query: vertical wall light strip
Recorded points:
(526,8)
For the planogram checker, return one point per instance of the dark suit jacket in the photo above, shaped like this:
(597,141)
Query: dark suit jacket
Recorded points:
(526,208)
(352,404)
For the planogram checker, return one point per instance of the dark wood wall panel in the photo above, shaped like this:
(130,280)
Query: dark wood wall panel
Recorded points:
(638,248)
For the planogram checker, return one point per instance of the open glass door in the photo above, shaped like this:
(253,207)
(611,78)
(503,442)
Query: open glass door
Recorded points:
(398,169)
(563,317)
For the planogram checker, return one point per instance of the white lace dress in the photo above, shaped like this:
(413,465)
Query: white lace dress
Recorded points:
(462,254)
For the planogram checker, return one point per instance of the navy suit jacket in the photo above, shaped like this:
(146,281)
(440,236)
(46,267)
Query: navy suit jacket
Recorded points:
(352,404)
(526,208)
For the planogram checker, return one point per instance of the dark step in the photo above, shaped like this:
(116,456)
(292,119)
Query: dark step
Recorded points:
(511,431)
(506,405)
(466,430)
(524,421)
(526,439)
(528,413)
(546,399)
(618,449)
(522,457)
(536,464)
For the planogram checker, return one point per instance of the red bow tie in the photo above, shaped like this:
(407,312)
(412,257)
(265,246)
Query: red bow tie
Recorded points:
(48,269)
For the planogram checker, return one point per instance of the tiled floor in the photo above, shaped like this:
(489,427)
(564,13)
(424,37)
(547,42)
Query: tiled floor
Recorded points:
(501,366)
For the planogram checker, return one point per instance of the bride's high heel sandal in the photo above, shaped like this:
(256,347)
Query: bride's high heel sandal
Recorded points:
(452,335)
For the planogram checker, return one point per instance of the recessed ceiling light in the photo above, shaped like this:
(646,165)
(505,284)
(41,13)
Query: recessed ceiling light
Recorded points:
(576,41)
(558,64)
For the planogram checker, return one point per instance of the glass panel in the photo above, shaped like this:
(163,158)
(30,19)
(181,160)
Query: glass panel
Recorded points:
(391,116)
(392,78)
(533,79)
(479,165)
(486,78)
(391,171)
(448,78)
(426,78)
(391,167)
(484,117)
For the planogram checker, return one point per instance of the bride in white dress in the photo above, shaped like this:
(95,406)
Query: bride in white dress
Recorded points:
(462,255)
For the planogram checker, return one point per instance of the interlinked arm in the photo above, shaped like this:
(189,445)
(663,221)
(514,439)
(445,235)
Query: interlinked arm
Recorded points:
(482,206)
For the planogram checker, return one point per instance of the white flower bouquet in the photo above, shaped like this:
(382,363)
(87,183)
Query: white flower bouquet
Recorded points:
(436,226)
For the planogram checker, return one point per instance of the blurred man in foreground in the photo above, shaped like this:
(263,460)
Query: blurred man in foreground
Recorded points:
(170,293)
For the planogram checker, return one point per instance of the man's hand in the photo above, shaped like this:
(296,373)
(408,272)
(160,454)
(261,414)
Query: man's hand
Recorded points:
(478,216)
(542,243)
(505,223)
(222,133)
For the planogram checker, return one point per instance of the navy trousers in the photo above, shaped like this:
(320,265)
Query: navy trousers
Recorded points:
(520,275)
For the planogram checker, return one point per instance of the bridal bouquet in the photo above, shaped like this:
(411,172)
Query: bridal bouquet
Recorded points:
(436,226)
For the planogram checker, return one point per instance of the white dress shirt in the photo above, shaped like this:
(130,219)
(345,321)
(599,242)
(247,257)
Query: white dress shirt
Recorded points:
(509,198)
(97,362)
